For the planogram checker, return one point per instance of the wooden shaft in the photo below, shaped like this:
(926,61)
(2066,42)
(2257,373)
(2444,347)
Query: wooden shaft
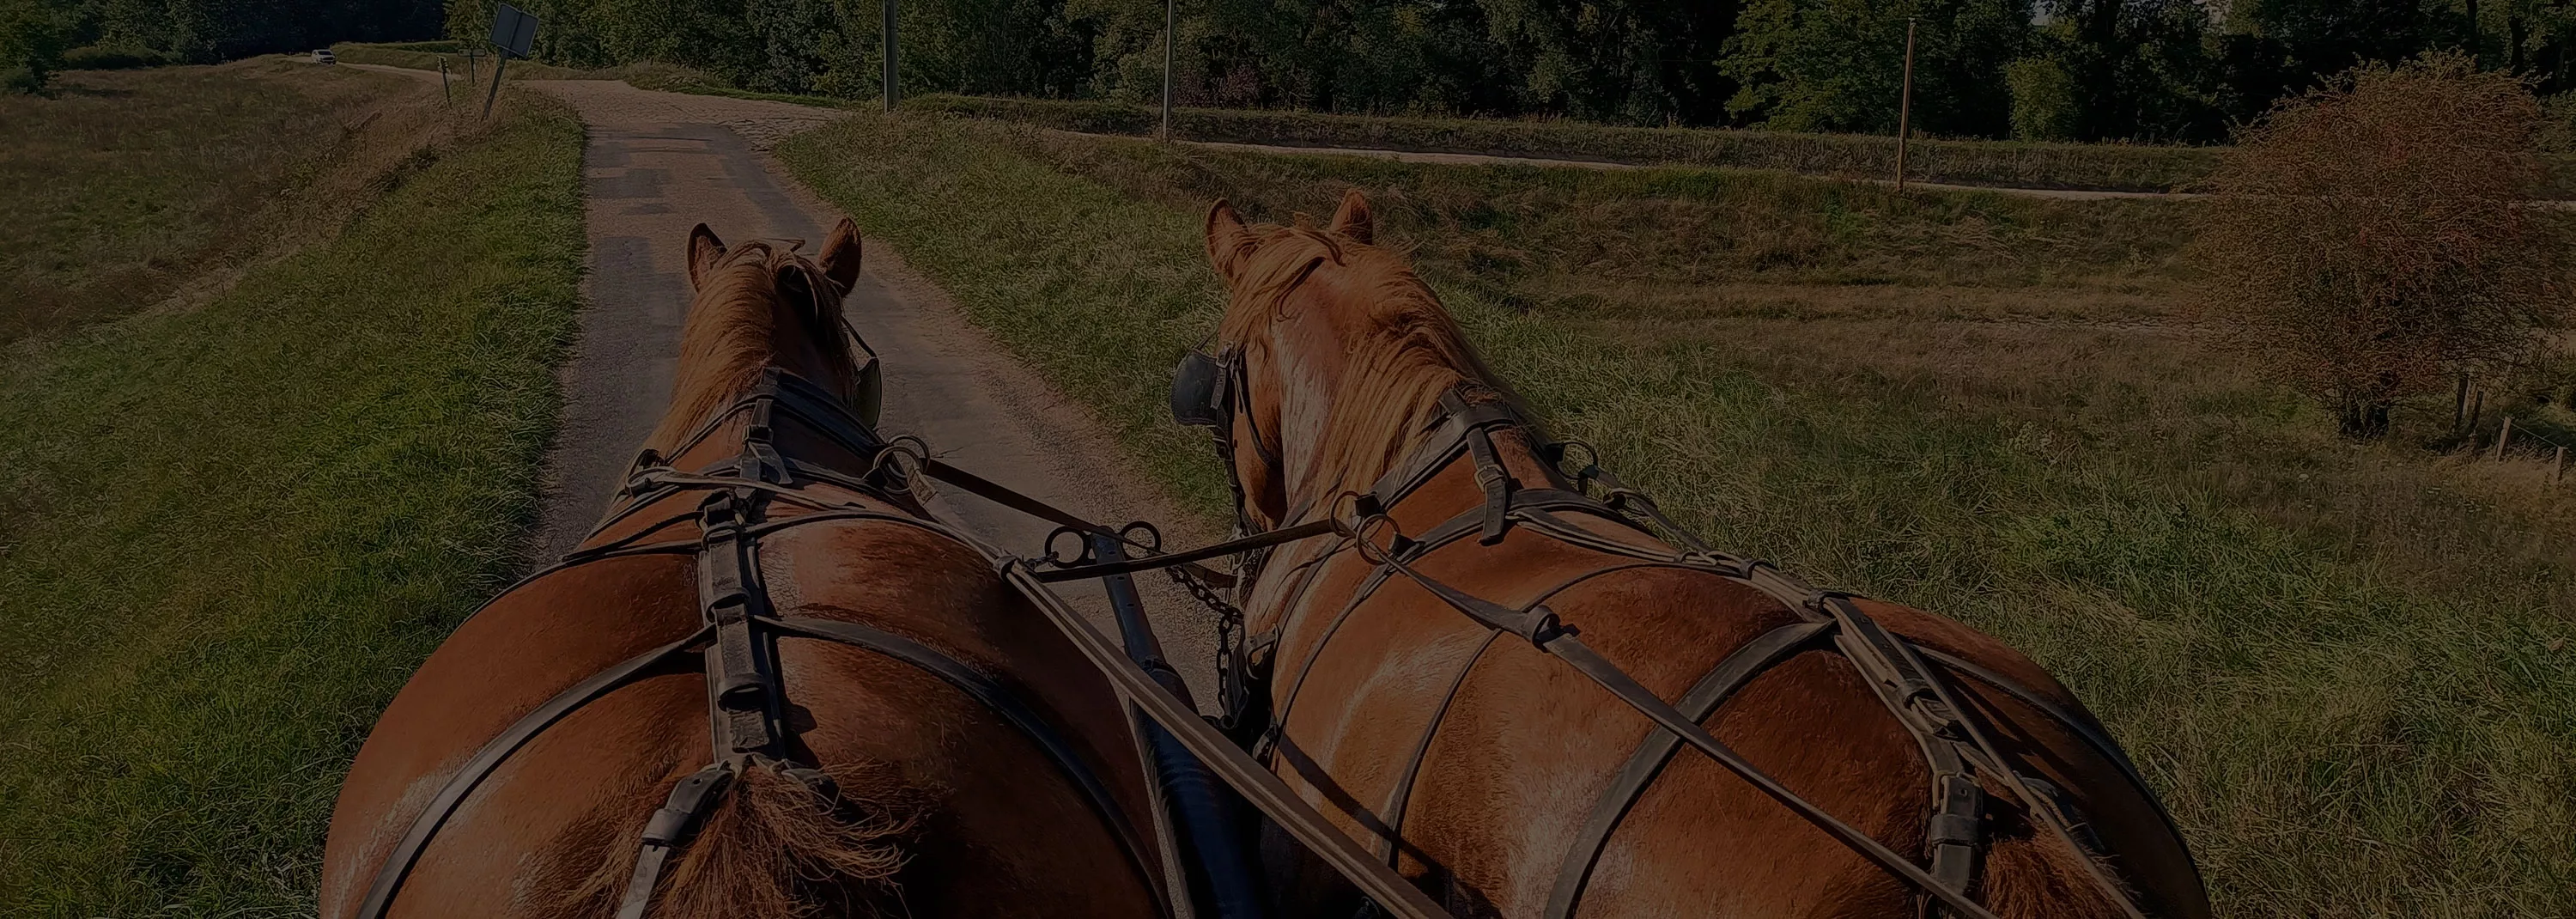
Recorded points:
(1170,19)
(2558,467)
(2502,435)
(1905,105)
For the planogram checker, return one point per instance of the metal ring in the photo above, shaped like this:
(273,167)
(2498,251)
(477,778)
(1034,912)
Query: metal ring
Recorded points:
(1081,545)
(1153,541)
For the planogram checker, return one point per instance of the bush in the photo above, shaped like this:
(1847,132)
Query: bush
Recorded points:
(2374,235)
(31,45)
(100,57)
(2044,106)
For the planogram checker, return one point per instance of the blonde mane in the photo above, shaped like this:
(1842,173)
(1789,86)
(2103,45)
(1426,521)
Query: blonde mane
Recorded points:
(1406,352)
(732,334)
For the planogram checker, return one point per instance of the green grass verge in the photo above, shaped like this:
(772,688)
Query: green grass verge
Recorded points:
(230,533)
(2357,693)
(2108,167)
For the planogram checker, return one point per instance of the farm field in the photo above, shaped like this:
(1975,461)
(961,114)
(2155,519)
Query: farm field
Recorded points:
(2346,668)
(236,519)
(129,184)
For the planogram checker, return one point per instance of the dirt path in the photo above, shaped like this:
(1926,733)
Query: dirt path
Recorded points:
(658,163)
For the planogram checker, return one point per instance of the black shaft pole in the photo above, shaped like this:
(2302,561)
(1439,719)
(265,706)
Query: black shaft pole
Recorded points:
(1224,880)
(496,83)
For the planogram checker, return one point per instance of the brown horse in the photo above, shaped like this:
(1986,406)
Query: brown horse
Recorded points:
(895,732)
(1507,783)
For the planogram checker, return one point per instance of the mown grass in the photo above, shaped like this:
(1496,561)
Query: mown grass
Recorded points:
(230,532)
(2347,669)
(2106,167)
(123,185)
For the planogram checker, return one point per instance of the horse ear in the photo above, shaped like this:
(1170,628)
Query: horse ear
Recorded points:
(1354,218)
(704,250)
(1229,242)
(840,259)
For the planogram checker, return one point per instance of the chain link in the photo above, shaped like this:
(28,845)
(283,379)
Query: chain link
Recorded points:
(1229,620)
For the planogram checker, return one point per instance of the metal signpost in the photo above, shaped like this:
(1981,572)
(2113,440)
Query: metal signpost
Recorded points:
(513,33)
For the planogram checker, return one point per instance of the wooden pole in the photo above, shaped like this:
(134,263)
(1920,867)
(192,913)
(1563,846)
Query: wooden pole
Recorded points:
(1905,106)
(2558,467)
(2503,434)
(443,92)
(891,93)
(1170,19)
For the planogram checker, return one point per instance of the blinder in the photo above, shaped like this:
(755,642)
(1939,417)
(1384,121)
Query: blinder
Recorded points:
(1200,396)
(867,399)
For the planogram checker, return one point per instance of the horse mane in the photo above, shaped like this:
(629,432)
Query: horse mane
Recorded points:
(732,333)
(1407,352)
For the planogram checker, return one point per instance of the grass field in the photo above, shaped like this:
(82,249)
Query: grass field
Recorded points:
(126,185)
(230,530)
(2106,167)
(2347,668)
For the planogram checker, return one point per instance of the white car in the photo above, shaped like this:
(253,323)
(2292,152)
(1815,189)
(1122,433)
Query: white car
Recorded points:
(324,56)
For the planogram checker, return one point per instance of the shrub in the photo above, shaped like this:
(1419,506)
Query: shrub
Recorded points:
(2044,106)
(2375,235)
(31,45)
(99,57)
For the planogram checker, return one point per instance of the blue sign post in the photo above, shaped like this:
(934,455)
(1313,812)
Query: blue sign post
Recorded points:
(514,31)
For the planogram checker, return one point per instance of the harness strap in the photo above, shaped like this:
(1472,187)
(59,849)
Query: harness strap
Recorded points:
(994,697)
(398,863)
(1391,892)
(689,801)
(1712,690)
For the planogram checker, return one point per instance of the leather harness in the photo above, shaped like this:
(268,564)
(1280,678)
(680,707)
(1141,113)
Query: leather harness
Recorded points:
(1955,747)
(735,644)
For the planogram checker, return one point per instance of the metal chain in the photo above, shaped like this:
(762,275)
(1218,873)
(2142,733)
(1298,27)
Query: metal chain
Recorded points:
(1229,619)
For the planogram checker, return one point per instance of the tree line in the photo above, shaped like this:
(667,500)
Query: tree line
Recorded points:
(2088,70)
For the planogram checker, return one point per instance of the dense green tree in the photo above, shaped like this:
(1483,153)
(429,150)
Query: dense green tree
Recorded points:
(2140,69)
(31,45)
(1838,65)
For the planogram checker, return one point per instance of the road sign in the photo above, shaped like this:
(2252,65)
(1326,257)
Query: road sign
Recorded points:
(513,30)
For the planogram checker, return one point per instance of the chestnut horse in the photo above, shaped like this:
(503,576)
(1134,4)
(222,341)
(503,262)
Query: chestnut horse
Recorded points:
(1492,772)
(895,731)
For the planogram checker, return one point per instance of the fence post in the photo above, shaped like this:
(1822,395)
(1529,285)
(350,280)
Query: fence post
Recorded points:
(2503,434)
(2558,467)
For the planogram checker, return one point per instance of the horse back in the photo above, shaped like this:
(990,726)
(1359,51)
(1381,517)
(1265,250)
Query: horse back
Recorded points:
(949,808)
(1482,767)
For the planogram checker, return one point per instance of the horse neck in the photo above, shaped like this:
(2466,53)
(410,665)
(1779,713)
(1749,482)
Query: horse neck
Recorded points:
(1347,415)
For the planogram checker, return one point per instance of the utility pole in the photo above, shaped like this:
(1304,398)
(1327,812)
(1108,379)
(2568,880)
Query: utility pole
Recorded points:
(1905,106)
(891,93)
(1169,19)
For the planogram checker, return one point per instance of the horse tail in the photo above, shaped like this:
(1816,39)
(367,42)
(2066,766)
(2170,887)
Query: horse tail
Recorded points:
(773,845)
(2039,876)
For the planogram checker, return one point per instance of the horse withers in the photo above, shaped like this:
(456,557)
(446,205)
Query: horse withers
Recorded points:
(768,685)
(1445,677)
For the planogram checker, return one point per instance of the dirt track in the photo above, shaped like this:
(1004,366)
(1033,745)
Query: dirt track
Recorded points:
(658,163)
